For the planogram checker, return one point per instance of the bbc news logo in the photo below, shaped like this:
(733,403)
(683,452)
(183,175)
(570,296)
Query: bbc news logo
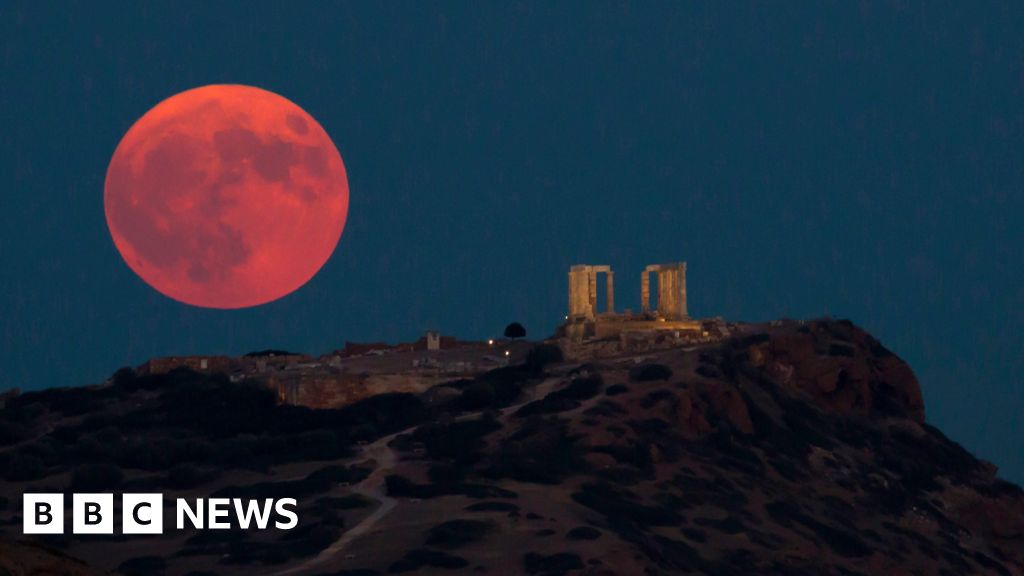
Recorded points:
(144,514)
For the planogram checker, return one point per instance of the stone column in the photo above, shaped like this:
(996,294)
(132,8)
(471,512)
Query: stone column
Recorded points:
(583,284)
(645,291)
(664,293)
(672,291)
(578,299)
(610,279)
(592,292)
(681,291)
(572,293)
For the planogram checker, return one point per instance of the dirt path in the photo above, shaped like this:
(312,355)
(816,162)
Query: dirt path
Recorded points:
(47,430)
(373,486)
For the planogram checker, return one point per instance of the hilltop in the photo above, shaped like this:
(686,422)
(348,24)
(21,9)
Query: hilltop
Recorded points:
(794,448)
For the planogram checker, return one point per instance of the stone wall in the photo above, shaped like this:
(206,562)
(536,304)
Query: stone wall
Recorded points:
(209,364)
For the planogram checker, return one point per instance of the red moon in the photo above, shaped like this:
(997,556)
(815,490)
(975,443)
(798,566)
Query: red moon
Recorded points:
(226,196)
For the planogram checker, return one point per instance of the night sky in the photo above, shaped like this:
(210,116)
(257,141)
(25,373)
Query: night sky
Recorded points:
(863,160)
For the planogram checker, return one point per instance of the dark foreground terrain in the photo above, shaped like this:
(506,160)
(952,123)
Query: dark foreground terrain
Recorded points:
(799,450)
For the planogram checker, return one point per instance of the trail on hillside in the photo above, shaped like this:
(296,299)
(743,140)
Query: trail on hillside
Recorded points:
(374,486)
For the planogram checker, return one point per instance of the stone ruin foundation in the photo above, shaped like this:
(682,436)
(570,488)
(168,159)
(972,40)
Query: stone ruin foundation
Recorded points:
(589,332)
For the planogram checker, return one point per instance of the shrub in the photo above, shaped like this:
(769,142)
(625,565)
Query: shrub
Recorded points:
(269,352)
(124,377)
(541,355)
(616,389)
(457,441)
(143,566)
(457,533)
(477,396)
(492,507)
(621,507)
(550,404)
(227,408)
(567,398)
(583,533)
(416,559)
(543,451)
(842,541)
(24,468)
(153,455)
(126,382)
(12,432)
(401,486)
(840,349)
(184,476)
(381,415)
(709,371)
(554,564)
(67,401)
(96,478)
(515,330)
(649,372)
(305,540)
(583,388)
(347,502)
(321,444)
(317,482)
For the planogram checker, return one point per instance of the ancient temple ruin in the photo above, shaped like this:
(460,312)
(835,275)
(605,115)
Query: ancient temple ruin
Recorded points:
(668,312)
(671,290)
(583,291)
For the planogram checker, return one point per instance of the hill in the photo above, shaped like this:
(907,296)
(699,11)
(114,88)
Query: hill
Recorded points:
(795,448)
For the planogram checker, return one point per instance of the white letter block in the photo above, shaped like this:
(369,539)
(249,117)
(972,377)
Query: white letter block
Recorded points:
(142,514)
(92,514)
(43,514)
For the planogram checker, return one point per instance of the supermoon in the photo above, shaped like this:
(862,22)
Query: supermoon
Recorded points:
(226,196)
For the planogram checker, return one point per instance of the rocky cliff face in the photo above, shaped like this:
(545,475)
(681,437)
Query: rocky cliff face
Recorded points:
(841,367)
(794,449)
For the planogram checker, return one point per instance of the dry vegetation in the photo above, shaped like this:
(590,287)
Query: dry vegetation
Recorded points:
(797,450)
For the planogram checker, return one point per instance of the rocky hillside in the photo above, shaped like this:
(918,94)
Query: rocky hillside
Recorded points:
(26,559)
(796,449)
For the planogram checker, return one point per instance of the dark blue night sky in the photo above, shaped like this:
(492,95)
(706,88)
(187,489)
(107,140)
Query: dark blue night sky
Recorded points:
(856,159)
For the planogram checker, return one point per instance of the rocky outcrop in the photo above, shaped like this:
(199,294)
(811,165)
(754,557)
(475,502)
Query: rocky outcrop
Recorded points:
(841,367)
(793,448)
